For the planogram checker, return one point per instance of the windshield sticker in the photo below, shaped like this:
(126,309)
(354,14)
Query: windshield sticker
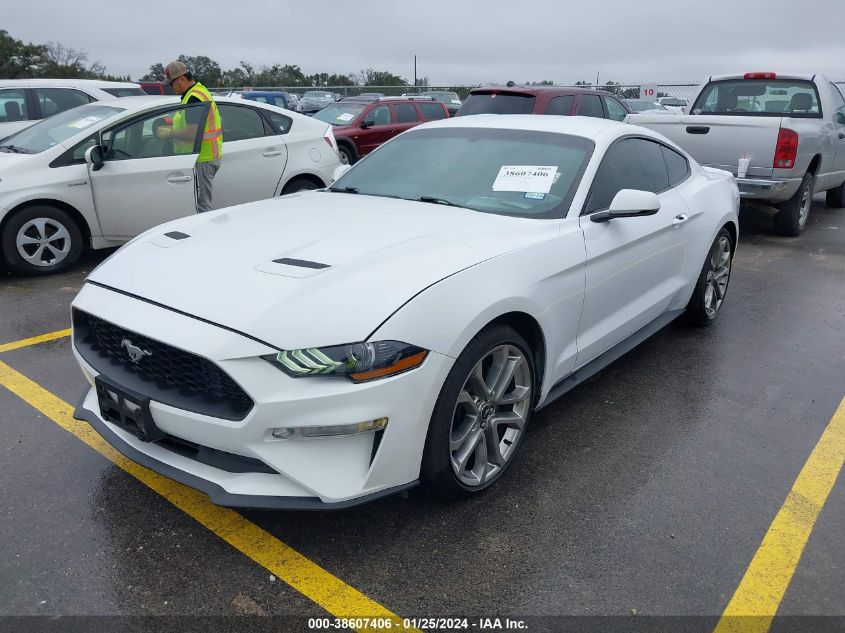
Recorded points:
(458,101)
(533,178)
(346,116)
(83,123)
(533,195)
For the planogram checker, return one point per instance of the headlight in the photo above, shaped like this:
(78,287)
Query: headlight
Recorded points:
(357,361)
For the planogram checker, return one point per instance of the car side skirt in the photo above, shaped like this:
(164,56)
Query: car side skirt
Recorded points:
(603,360)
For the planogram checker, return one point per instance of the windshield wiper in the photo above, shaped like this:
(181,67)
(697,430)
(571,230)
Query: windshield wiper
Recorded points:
(344,189)
(436,200)
(15,149)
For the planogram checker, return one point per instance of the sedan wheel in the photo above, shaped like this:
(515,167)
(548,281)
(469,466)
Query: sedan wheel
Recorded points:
(712,285)
(490,415)
(41,241)
(481,414)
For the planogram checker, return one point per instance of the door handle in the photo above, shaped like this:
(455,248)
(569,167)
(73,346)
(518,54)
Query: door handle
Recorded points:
(272,152)
(179,179)
(698,129)
(680,219)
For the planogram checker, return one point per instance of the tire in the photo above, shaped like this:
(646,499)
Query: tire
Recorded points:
(793,214)
(467,426)
(712,285)
(41,240)
(300,184)
(835,198)
(347,154)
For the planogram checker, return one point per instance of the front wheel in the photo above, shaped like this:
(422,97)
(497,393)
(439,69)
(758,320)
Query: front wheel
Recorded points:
(41,240)
(481,414)
(712,285)
(348,156)
(300,184)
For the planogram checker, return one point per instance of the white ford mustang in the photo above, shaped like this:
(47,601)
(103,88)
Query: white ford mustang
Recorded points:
(56,199)
(331,347)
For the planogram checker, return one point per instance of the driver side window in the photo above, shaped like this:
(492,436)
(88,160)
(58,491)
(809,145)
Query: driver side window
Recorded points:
(139,139)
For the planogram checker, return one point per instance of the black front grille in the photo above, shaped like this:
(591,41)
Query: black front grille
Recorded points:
(162,372)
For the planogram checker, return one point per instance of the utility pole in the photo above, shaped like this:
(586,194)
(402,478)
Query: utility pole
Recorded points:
(415,71)
(597,80)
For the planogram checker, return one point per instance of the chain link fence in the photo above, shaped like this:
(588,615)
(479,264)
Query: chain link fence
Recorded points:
(686,91)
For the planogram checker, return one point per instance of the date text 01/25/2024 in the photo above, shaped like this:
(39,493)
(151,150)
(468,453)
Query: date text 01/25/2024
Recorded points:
(423,624)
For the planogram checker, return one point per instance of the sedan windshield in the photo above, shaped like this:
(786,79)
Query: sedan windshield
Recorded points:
(59,128)
(497,103)
(340,113)
(506,172)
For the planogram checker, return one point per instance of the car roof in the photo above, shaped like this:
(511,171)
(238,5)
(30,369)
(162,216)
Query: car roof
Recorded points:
(151,101)
(804,77)
(589,127)
(538,90)
(259,93)
(68,83)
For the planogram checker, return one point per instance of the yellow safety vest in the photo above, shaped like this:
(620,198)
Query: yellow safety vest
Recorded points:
(212,136)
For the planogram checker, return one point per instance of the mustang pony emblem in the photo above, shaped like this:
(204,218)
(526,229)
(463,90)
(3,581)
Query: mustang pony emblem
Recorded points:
(135,352)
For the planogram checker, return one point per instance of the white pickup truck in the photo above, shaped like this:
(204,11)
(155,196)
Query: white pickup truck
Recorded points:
(786,132)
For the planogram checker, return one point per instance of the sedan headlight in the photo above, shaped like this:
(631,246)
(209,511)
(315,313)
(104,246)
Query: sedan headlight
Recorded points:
(358,362)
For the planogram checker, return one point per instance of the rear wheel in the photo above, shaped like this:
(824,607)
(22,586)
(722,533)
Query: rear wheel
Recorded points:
(348,156)
(41,240)
(712,285)
(300,184)
(481,414)
(793,214)
(835,198)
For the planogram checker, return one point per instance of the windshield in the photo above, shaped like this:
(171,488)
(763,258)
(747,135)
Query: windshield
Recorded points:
(493,103)
(756,97)
(340,113)
(59,128)
(318,96)
(642,106)
(126,92)
(506,172)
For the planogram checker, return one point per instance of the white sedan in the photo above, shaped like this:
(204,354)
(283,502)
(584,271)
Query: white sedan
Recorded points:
(335,346)
(97,175)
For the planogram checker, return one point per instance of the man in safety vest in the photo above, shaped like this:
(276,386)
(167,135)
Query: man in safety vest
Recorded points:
(186,122)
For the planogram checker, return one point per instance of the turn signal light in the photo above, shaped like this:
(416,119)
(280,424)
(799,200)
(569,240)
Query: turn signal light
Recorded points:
(786,149)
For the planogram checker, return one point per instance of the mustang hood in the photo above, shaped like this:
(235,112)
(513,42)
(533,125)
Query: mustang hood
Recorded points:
(309,269)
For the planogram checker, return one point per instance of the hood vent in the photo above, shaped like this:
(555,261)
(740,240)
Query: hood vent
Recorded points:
(300,262)
(166,240)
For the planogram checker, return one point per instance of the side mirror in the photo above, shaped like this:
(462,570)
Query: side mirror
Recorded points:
(367,123)
(339,171)
(629,203)
(840,118)
(94,157)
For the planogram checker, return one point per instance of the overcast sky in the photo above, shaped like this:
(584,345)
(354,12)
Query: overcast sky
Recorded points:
(456,42)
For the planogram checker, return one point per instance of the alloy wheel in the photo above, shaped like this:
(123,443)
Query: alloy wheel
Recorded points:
(718,276)
(43,242)
(490,415)
(806,203)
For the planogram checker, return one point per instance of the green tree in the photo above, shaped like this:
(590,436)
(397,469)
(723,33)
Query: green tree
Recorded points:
(372,77)
(60,61)
(155,73)
(204,69)
(341,80)
(17,59)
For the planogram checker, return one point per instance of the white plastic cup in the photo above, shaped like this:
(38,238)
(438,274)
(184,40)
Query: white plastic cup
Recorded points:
(742,168)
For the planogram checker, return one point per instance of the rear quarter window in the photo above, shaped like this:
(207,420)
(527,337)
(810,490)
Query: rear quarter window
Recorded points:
(432,111)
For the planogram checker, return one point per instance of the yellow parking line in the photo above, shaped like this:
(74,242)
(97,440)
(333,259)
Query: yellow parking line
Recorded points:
(308,578)
(35,340)
(761,590)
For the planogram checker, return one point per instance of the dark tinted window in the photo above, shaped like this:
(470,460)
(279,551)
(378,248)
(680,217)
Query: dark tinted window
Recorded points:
(629,164)
(590,105)
(125,92)
(676,165)
(561,105)
(839,104)
(406,113)
(432,111)
(153,90)
(279,122)
(497,104)
(12,105)
(240,123)
(759,97)
(55,100)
